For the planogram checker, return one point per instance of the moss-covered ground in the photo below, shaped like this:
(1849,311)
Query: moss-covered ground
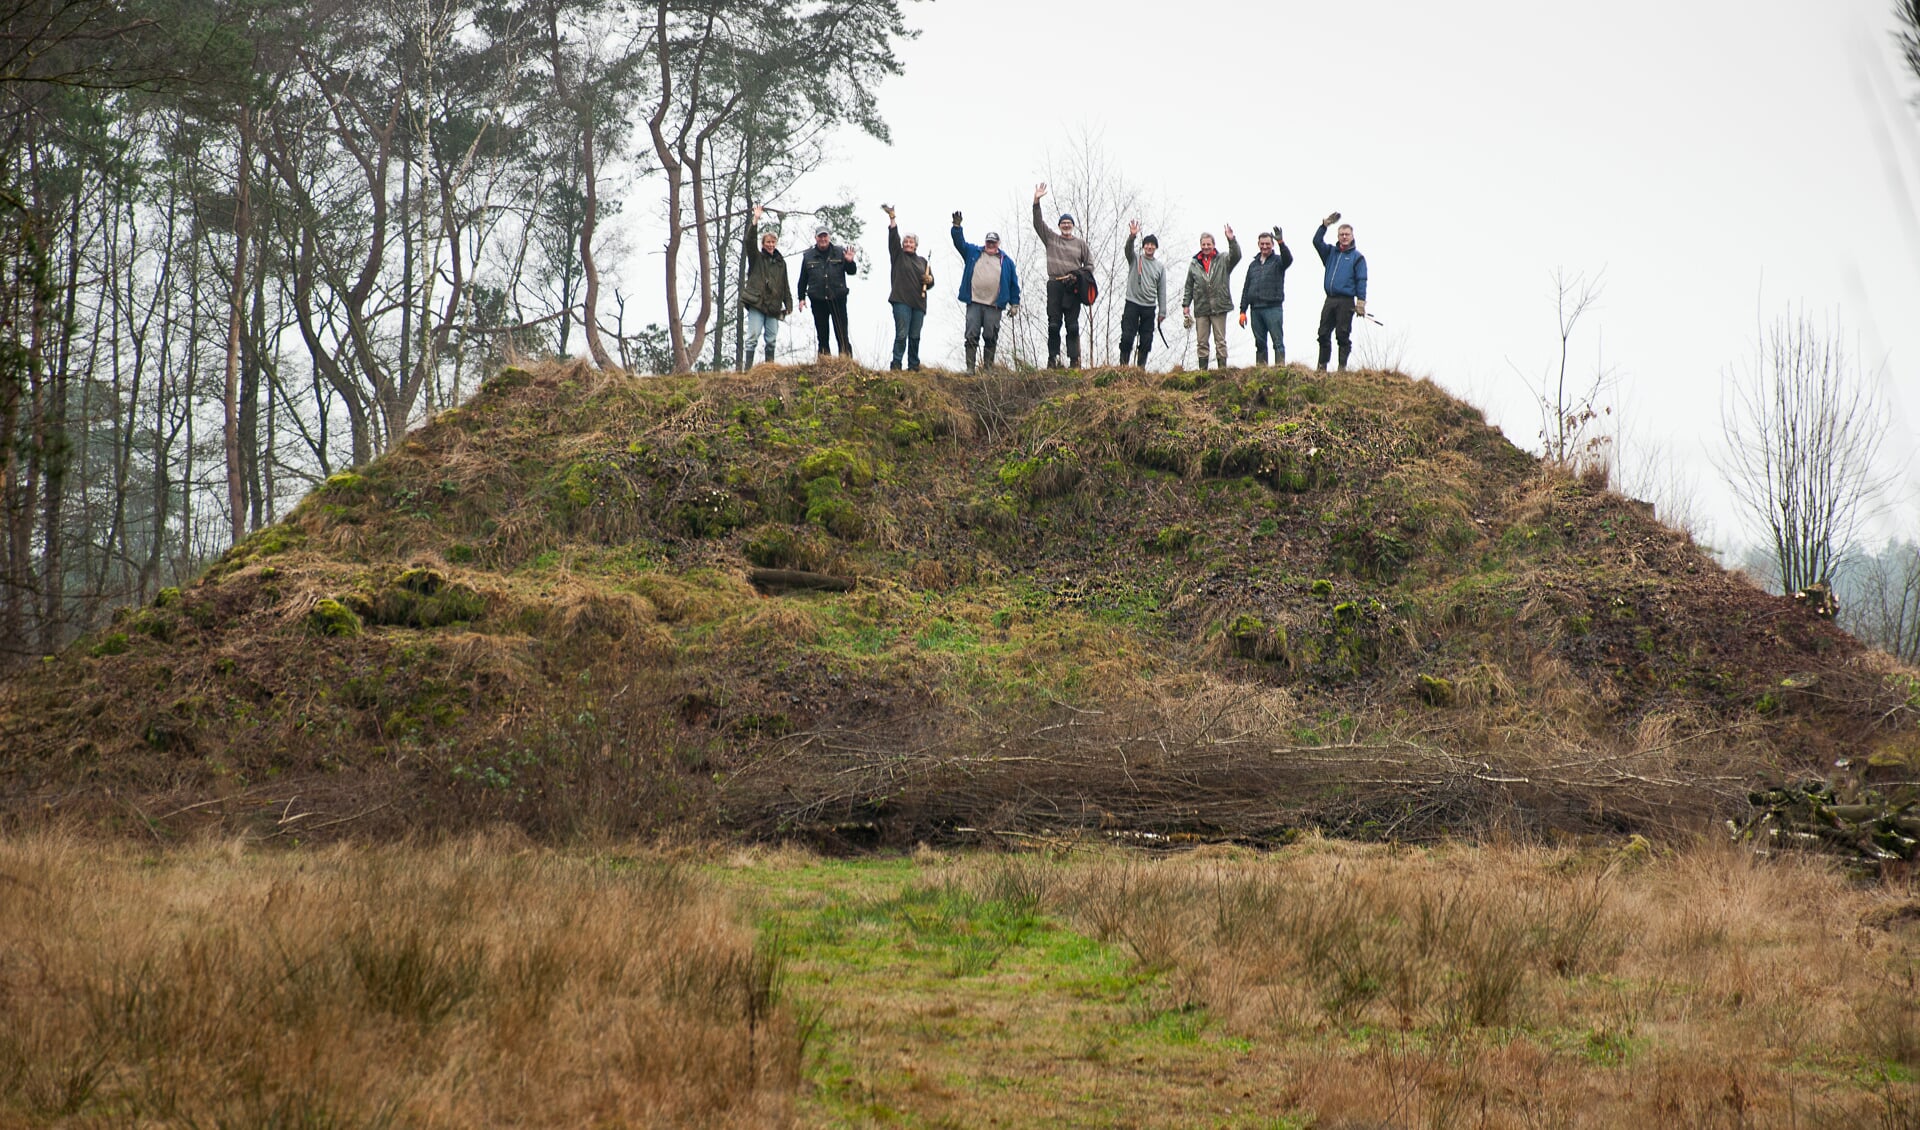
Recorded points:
(861,608)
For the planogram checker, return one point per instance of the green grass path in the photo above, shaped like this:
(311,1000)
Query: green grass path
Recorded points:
(938,1003)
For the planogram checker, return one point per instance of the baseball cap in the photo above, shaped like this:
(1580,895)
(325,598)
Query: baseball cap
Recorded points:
(823,230)
(991,237)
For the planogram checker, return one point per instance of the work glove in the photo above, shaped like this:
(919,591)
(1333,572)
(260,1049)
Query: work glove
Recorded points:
(1013,311)
(1186,319)
(888,209)
(1243,319)
(956,219)
(1332,219)
(1360,307)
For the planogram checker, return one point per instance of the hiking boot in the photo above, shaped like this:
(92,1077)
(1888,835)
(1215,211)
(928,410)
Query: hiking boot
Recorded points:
(1073,360)
(746,360)
(1053,360)
(973,353)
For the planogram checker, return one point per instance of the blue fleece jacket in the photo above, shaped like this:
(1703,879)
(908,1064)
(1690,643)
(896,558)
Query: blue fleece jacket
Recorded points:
(1346,270)
(1009,278)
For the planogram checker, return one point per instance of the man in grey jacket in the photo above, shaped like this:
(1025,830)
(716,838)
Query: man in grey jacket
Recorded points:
(1146,296)
(1067,256)
(1209,295)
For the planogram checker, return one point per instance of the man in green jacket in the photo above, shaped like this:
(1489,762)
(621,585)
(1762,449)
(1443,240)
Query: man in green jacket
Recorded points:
(1209,295)
(764,290)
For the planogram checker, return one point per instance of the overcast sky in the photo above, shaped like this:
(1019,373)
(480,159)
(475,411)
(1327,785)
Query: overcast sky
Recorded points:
(1718,161)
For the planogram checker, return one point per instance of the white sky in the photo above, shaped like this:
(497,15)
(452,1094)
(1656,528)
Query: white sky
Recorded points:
(1719,160)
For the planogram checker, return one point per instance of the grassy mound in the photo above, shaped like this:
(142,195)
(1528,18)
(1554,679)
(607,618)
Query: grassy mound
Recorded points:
(868,608)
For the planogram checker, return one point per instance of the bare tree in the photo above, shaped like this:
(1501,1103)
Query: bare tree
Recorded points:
(1570,405)
(1803,430)
(1880,600)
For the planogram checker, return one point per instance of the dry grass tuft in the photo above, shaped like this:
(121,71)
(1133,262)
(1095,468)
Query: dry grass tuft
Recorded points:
(1518,986)
(473,984)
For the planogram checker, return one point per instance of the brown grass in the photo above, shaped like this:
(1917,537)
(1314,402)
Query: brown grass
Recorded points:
(466,985)
(1521,987)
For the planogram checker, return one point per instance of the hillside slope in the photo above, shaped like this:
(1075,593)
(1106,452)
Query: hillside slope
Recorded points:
(864,608)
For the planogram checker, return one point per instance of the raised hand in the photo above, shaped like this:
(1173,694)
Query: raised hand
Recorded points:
(1133,227)
(849,255)
(1228,228)
(956,219)
(758,212)
(1039,190)
(1332,219)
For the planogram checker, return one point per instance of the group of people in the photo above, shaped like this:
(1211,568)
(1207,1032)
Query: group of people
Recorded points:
(990,290)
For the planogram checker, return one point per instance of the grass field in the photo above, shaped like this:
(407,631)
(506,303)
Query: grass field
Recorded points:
(491,982)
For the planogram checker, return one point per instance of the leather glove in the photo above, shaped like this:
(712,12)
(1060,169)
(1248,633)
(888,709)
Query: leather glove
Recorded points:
(956,219)
(1332,219)
(1360,307)
(1186,320)
(1243,319)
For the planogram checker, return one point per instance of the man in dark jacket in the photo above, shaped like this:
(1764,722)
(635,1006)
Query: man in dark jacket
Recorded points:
(763,289)
(1067,256)
(911,278)
(1209,294)
(988,286)
(823,282)
(1346,287)
(1262,292)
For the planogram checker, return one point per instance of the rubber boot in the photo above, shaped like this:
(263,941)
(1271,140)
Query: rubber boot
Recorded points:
(1260,358)
(973,354)
(1345,350)
(991,349)
(1142,358)
(746,361)
(1203,363)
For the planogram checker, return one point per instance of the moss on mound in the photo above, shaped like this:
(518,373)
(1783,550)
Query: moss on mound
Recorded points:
(1228,607)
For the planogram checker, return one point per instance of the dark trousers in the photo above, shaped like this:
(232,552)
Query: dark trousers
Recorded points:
(1063,308)
(834,311)
(1336,319)
(1136,319)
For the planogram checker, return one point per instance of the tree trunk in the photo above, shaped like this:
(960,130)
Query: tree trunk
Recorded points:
(590,299)
(236,310)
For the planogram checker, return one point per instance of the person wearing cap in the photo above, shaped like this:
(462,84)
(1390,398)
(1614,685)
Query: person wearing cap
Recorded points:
(1346,287)
(1147,296)
(1209,294)
(988,286)
(823,282)
(1067,256)
(911,278)
(763,288)
(1263,292)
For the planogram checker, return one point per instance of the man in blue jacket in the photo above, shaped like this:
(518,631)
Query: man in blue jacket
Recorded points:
(1346,286)
(988,286)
